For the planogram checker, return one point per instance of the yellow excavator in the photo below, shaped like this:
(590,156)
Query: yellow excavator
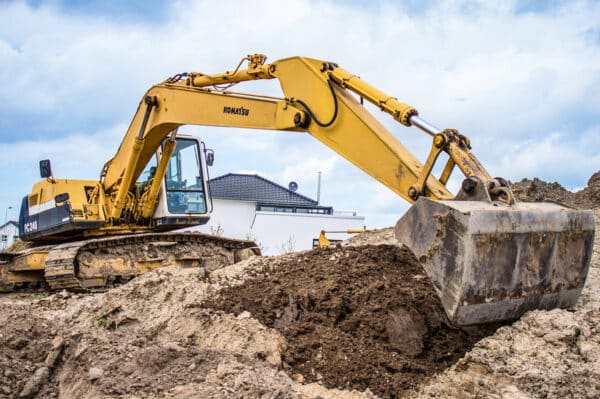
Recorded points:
(489,257)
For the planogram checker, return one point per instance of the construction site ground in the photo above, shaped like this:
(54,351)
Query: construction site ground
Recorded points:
(357,320)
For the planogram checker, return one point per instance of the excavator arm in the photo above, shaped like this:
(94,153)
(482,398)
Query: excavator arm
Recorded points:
(318,99)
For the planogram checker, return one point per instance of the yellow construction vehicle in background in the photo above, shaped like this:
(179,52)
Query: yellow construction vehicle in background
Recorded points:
(489,257)
(323,241)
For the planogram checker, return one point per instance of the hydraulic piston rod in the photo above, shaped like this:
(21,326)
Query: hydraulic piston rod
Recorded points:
(424,125)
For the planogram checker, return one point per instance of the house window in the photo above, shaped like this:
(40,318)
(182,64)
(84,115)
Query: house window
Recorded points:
(4,237)
(294,209)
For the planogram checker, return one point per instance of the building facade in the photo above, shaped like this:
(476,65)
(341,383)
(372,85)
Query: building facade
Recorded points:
(9,233)
(278,219)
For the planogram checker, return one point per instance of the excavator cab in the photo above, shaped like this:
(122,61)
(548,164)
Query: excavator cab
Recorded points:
(184,194)
(57,209)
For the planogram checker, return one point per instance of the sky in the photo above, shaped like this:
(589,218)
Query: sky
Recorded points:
(521,79)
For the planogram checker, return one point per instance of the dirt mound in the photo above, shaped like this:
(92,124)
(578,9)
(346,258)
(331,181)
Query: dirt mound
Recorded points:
(590,196)
(150,338)
(537,190)
(354,317)
(20,246)
(544,355)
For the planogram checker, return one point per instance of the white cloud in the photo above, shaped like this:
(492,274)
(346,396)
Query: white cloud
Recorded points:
(550,157)
(75,156)
(307,165)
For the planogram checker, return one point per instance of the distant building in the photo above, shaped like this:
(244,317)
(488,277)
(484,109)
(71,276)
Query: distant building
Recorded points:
(277,218)
(9,233)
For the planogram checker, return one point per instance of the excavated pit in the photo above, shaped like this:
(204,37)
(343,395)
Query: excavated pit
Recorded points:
(354,318)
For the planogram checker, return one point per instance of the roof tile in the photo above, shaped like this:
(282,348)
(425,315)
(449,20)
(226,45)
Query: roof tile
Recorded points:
(243,187)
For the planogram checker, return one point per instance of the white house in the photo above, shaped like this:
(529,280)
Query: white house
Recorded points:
(278,219)
(9,233)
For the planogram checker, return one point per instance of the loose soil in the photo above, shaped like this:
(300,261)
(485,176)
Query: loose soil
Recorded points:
(354,317)
(537,190)
(150,338)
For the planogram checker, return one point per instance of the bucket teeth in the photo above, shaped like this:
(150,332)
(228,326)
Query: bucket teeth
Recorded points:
(491,262)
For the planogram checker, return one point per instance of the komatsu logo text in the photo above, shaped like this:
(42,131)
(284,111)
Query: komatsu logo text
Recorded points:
(236,111)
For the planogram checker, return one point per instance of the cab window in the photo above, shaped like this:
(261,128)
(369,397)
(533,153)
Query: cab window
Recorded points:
(183,179)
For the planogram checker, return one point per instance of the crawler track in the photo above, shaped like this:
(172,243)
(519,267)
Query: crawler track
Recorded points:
(101,262)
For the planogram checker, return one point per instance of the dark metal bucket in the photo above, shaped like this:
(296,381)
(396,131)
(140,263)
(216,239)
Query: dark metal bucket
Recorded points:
(492,262)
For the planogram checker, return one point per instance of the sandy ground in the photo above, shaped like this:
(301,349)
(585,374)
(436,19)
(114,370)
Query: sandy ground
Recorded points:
(354,321)
(158,337)
(149,338)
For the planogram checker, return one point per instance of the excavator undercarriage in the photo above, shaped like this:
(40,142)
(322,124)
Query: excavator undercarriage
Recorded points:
(99,263)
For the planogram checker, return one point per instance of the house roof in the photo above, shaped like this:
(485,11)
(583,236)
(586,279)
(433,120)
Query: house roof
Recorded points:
(243,187)
(9,222)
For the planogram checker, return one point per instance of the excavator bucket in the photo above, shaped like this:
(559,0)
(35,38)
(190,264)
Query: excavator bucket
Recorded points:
(492,262)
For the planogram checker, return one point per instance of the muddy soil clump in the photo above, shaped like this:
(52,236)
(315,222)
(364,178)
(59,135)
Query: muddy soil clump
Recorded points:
(537,190)
(354,318)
